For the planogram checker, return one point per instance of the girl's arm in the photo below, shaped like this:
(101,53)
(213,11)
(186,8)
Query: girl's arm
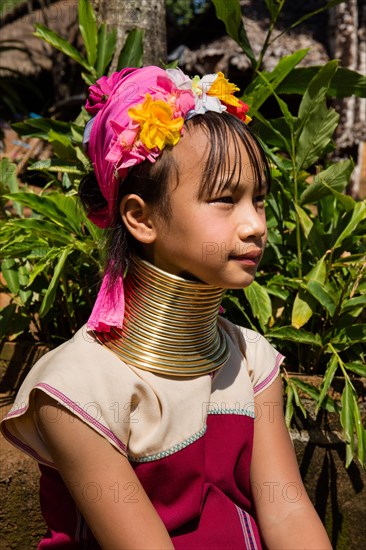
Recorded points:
(286,517)
(83,457)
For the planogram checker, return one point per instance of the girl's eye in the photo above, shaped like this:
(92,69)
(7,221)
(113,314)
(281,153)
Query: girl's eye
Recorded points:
(260,199)
(224,200)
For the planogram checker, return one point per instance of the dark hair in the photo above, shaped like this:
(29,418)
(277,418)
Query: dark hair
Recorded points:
(150,180)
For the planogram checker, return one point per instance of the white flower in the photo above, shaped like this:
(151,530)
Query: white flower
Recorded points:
(206,103)
(181,80)
(199,87)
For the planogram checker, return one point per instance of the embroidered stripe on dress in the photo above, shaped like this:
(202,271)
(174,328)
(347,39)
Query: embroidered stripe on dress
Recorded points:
(172,450)
(242,412)
(246,526)
(271,375)
(80,412)
(28,450)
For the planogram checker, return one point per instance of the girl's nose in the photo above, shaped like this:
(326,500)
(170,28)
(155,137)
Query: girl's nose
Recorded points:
(252,224)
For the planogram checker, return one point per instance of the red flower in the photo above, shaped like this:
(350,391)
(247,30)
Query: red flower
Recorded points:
(239,111)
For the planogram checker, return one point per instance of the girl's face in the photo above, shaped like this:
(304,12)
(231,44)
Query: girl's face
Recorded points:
(217,239)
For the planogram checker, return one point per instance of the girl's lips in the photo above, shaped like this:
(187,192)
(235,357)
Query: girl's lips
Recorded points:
(250,258)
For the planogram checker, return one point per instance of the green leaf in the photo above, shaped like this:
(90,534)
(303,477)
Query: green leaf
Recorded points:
(299,402)
(347,419)
(353,303)
(43,204)
(273,132)
(304,305)
(305,220)
(318,272)
(257,92)
(349,335)
(302,309)
(106,47)
(311,230)
(50,295)
(230,13)
(336,176)
(260,302)
(40,127)
(9,181)
(277,291)
(88,29)
(61,44)
(9,269)
(327,380)
(295,335)
(43,264)
(345,82)
(315,137)
(357,368)
(45,230)
(309,389)
(62,146)
(316,122)
(24,295)
(360,432)
(289,119)
(320,293)
(358,215)
(8,175)
(289,404)
(346,201)
(72,210)
(274,7)
(230,299)
(57,165)
(132,52)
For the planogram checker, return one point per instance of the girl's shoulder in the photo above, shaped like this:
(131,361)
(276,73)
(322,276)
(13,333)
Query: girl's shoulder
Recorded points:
(261,359)
(85,379)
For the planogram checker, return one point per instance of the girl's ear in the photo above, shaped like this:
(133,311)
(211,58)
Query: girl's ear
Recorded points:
(136,216)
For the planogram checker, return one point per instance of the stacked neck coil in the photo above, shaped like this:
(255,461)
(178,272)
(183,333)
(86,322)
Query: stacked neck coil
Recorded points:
(170,324)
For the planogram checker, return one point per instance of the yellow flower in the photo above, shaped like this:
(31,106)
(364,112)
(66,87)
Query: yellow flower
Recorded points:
(223,89)
(158,127)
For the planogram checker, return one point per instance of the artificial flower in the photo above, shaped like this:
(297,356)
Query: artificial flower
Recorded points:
(101,90)
(157,123)
(224,90)
(181,80)
(239,111)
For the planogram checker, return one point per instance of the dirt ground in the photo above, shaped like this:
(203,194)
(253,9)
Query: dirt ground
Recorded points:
(22,525)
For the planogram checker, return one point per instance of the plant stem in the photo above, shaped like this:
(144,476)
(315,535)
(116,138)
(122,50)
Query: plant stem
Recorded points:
(296,200)
(341,364)
(269,34)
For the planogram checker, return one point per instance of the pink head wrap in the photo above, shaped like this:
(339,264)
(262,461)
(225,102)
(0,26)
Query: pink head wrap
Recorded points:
(136,113)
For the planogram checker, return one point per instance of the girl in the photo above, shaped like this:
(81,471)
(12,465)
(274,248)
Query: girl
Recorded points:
(160,424)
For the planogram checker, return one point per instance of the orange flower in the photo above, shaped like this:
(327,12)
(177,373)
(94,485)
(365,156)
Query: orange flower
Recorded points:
(158,128)
(224,90)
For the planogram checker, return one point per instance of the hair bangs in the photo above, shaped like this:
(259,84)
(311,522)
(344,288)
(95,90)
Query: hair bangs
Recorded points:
(223,171)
